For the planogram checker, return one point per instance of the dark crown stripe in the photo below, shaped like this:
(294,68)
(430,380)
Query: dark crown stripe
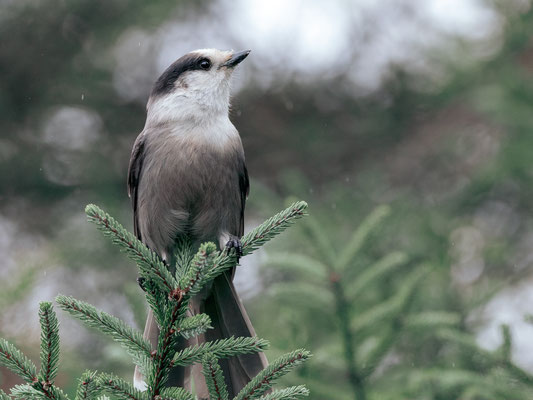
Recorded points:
(166,81)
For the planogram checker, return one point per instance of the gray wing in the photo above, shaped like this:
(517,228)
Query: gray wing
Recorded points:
(244,186)
(134,176)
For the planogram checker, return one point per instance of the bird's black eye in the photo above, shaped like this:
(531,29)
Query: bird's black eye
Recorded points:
(204,63)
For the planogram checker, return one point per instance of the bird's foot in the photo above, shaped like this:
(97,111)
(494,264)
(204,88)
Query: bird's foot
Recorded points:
(141,281)
(234,243)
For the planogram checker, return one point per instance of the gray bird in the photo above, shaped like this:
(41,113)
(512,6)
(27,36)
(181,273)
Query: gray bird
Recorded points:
(187,176)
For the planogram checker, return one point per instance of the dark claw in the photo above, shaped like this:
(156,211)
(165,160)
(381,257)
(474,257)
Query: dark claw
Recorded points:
(141,281)
(234,243)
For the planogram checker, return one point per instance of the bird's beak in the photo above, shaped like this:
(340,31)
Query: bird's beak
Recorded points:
(236,58)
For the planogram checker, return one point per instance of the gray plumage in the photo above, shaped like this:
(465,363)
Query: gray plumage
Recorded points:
(181,184)
(187,176)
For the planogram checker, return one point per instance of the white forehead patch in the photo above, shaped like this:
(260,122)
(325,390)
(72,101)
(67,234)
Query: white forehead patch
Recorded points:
(214,54)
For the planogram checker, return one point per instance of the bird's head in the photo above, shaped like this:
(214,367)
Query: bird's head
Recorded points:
(194,86)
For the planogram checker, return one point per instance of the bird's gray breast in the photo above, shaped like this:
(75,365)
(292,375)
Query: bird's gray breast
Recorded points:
(189,185)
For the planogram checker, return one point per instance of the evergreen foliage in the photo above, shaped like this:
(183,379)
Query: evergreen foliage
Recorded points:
(49,343)
(293,393)
(176,393)
(13,359)
(374,315)
(279,367)
(168,293)
(87,387)
(214,378)
(194,326)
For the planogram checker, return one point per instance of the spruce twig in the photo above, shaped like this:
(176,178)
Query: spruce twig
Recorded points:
(165,343)
(49,343)
(156,301)
(176,393)
(258,237)
(315,231)
(3,395)
(279,367)
(183,254)
(374,272)
(131,339)
(273,226)
(299,264)
(468,342)
(220,349)
(24,392)
(507,343)
(87,387)
(390,307)
(290,393)
(13,359)
(202,261)
(360,235)
(151,266)
(119,388)
(214,378)
(38,391)
(194,326)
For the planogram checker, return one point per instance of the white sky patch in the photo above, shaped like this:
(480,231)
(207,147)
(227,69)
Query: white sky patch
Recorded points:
(470,19)
(510,307)
(307,40)
(300,34)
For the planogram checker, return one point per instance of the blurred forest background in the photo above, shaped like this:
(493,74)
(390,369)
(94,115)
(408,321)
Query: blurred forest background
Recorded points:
(407,126)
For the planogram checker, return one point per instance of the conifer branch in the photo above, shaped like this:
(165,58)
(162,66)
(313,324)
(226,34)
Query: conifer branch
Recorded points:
(273,227)
(204,268)
(214,378)
(119,388)
(374,272)
(54,393)
(506,347)
(156,301)
(299,263)
(279,367)
(432,320)
(49,343)
(27,392)
(220,349)
(176,393)
(191,282)
(165,342)
(360,235)
(194,326)
(315,232)
(38,391)
(183,254)
(13,359)
(151,266)
(130,338)
(454,379)
(376,355)
(290,393)
(170,303)
(390,307)
(87,387)
(258,237)
(466,341)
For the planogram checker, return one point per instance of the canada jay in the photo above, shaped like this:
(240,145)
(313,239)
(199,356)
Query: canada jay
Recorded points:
(187,176)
